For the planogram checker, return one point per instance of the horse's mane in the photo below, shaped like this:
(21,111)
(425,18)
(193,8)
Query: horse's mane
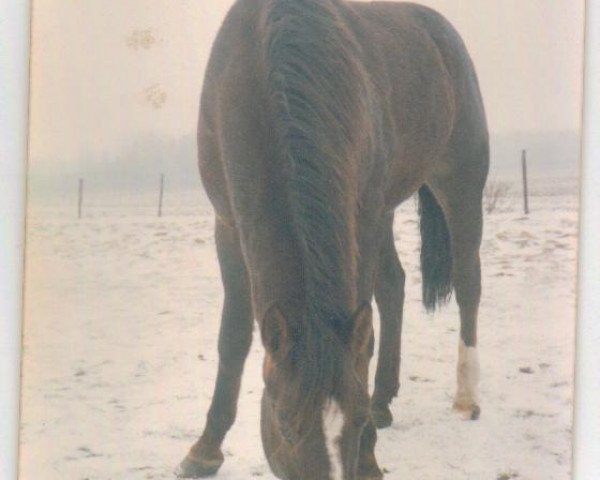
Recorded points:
(319,105)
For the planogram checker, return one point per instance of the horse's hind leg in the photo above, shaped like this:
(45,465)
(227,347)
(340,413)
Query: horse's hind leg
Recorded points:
(461,202)
(465,232)
(235,337)
(389,295)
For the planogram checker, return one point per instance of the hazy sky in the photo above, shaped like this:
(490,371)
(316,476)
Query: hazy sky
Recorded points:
(106,70)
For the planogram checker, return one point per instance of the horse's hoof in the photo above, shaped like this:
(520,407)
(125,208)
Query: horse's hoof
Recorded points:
(469,411)
(372,474)
(192,468)
(378,476)
(198,464)
(382,416)
(475,412)
(369,470)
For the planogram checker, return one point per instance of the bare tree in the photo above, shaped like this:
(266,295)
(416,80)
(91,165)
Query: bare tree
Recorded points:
(494,193)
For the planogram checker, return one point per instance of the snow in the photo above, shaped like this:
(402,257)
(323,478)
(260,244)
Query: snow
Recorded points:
(122,313)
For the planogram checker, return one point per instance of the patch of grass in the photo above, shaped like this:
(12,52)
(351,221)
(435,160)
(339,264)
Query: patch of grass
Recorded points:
(507,475)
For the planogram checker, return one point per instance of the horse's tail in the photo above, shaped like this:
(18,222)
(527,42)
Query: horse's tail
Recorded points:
(436,255)
(319,101)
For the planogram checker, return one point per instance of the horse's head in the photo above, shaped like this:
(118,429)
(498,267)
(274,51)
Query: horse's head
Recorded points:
(315,403)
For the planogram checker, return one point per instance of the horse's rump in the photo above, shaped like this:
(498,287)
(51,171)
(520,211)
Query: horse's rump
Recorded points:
(338,108)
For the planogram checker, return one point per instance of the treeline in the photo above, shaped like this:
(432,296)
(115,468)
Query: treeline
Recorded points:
(135,165)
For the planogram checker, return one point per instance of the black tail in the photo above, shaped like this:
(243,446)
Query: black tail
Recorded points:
(436,256)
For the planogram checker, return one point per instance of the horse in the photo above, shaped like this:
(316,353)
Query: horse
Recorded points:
(317,119)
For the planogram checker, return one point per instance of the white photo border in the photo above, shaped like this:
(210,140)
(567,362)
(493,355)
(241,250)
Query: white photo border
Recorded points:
(14,93)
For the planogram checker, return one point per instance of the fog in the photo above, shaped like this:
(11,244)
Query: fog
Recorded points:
(116,85)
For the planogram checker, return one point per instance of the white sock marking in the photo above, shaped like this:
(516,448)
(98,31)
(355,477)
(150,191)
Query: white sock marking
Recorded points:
(333,424)
(468,374)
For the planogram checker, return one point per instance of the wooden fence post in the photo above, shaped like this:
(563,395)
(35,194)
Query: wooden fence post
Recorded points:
(80,199)
(525,189)
(161,193)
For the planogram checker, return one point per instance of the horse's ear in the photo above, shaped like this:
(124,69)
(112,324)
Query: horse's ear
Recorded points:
(275,332)
(363,329)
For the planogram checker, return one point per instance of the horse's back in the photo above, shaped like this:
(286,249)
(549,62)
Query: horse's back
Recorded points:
(417,62)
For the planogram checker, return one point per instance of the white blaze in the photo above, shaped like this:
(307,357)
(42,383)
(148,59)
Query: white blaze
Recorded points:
(333,424)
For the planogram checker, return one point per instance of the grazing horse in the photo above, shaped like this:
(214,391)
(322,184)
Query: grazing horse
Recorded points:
(317,119)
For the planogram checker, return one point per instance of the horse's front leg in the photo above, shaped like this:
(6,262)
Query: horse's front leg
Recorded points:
(389,294)
(235,336)
(370,243)
(368,469)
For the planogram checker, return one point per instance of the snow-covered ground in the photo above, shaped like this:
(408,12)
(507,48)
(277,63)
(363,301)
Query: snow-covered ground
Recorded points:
(122,314)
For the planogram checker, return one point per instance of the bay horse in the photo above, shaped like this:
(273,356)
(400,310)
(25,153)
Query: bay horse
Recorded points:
(317,119)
